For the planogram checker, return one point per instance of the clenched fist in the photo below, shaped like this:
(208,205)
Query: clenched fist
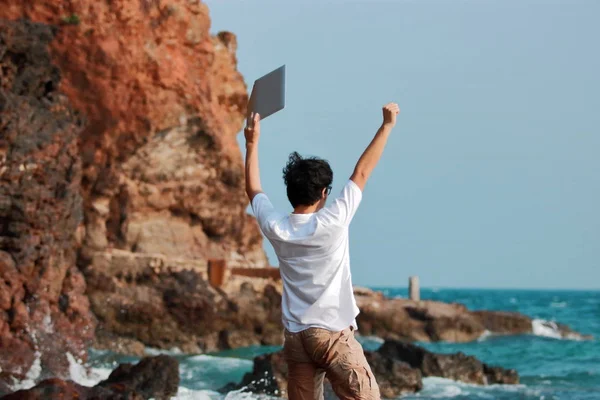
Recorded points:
(252,130)
(390,111)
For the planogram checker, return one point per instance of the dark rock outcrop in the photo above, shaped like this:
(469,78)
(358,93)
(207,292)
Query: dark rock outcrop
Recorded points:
(44,313)
(394,377)
(398,368)
(183,310)
(58,389)
(458,366)
(500,322)
(153,377)
(432,321)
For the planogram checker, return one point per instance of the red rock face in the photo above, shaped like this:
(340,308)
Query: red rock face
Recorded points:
(154,167)
(162,171)
(44,313)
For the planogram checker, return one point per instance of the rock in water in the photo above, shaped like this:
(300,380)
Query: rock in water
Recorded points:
(433,321)
(58,389)
(44,313)
(269,376)
(394,377)
(152,378)
(458,366)
(398,368)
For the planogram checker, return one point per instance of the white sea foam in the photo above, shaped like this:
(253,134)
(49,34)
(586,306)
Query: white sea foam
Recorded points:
(435,388)
(86,376)
(35,369)
(486,334)
(541,327)
(32,375)
(184,393)
(173,351)
(47,324)
(223,363)
(513,300)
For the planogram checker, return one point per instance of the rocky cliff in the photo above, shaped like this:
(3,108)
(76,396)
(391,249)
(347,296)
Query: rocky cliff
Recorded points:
(149,165)
(162,172)
(44,313)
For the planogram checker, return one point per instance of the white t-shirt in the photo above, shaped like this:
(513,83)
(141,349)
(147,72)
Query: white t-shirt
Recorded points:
(314,261)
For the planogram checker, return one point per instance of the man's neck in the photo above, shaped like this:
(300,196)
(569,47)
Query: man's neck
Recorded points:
(307,209)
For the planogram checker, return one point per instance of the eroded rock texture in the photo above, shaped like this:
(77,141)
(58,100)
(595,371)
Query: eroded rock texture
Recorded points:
(44,313)
(159,171)
(162,170)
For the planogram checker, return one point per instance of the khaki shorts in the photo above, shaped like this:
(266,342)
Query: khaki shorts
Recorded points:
(315,353)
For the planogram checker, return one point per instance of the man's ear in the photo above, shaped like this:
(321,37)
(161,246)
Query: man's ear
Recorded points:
(323,193)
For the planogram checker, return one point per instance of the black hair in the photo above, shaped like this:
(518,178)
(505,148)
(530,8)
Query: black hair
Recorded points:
(306,178)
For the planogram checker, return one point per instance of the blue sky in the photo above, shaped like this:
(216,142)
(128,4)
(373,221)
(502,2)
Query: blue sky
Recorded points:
(492,175)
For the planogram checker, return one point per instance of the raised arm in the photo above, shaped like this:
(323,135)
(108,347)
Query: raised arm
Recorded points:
(252,133)
(369,159)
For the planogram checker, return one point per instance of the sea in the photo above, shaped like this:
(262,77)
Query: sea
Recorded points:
(550,368)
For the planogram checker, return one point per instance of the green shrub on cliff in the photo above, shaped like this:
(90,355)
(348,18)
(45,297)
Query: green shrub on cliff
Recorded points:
(72,19)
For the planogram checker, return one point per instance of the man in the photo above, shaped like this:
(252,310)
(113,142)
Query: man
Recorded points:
(311,243)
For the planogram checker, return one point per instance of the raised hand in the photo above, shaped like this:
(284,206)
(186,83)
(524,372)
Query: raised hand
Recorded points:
(390,111)
(252,130)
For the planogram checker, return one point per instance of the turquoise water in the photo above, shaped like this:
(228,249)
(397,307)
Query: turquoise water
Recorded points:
(550,368)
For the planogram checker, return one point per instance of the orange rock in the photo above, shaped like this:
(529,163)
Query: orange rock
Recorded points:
(139,71)
(154,168)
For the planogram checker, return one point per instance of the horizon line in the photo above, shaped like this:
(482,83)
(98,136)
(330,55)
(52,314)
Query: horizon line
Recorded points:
(485,288)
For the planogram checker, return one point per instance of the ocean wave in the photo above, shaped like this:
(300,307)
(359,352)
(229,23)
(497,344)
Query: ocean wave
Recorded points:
(226,363)
(443,388)
(86,376)
(184,393)
(549,329)
(241,395)
(174,351)
(215,371)
(541,327)
(31,376)
(486,334)
(77,373)
(558,304)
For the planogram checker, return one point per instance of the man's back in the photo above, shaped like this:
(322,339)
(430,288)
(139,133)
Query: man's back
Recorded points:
(314,260)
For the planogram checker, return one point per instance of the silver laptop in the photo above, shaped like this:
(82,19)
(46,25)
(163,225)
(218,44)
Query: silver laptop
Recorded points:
(268,94)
